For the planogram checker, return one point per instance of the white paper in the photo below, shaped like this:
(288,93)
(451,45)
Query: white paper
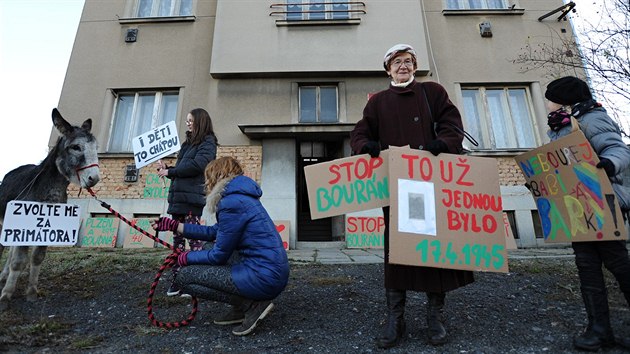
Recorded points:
(416,207)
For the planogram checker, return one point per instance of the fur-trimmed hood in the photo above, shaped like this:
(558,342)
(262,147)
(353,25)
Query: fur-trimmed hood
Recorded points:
(232,185)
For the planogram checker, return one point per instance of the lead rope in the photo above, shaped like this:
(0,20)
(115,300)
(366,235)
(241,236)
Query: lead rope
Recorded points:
(169,262)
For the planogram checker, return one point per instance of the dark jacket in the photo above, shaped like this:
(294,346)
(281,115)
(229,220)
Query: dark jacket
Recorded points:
(605,138)
(244,226)
(187,192)
(399,117)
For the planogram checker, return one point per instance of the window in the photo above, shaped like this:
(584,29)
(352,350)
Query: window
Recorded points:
(163,8)
(500,117)
(476,4)
(312,10)
(138,112)
(318,104)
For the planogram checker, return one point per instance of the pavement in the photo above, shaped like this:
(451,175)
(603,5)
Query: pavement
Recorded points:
(373,255)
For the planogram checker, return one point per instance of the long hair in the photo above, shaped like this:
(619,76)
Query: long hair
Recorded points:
(221,168)
(202,127)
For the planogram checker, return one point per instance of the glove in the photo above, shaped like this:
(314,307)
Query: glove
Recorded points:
(166,224)
(436,147)
(607,165)
(372,147)
(182,259)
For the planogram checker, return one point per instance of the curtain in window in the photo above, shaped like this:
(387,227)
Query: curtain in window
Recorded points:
(328,104)
(308,104)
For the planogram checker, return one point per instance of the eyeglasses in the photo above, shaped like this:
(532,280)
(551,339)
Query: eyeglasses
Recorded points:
(189,122)
(407,62)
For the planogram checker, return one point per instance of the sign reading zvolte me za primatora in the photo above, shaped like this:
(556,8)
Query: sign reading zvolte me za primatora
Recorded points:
(40,224)
(155,144)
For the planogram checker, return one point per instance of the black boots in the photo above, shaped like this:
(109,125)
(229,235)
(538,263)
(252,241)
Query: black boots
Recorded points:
(598,333)
(395,327)
(435,318)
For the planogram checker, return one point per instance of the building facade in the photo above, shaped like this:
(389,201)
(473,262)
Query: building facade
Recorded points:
(285,82)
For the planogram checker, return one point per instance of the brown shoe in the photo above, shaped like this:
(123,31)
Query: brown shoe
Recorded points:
(234,316)
(256,311)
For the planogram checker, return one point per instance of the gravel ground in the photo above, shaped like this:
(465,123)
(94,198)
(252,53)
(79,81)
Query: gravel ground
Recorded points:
(100,307)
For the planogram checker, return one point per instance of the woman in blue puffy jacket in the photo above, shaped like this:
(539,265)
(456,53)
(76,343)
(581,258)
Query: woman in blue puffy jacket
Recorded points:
(247,267)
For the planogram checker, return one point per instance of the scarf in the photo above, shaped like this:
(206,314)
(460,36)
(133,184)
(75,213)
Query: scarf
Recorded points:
(558,119)
(403,84)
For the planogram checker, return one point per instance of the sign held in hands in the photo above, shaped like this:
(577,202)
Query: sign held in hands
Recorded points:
(155,144)
(29,223)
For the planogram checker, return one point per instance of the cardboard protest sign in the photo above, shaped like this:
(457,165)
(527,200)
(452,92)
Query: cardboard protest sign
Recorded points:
(155,144)
(347,185)
(135,239)
(575,199)
(445,211)
(40,224)
(365,229)
(100,232)
(156,187)
(283,227)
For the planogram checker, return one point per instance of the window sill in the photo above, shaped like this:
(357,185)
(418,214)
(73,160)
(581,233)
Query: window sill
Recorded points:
(351,21)
(483,12)
(130,20)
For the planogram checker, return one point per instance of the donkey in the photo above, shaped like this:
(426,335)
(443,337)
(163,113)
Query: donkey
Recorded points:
(73,160)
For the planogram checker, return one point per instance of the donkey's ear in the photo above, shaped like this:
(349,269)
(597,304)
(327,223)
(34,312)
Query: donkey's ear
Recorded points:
(87,125)
(62,126)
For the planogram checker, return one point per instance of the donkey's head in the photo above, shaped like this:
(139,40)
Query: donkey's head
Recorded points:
(77,157)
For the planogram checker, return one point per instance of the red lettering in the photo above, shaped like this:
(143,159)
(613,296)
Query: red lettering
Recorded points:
(410,159)
(352,226)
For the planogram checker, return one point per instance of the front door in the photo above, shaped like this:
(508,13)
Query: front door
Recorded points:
(310,153)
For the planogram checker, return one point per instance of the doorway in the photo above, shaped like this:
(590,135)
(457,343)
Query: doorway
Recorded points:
(310,153)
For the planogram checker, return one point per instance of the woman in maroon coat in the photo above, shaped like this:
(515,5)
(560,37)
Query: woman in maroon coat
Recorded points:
(422,116)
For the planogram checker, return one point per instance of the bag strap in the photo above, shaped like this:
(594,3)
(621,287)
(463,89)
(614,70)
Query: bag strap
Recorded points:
(435,124)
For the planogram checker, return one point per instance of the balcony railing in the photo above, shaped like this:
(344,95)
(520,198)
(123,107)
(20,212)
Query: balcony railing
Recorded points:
(318,12)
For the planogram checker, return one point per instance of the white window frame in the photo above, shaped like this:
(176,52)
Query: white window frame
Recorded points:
(487,139)
(305,5)
(155,116)
(317,102)
(175,6)
(465,5)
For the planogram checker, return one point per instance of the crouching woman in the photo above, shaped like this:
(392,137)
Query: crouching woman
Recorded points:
(247,267)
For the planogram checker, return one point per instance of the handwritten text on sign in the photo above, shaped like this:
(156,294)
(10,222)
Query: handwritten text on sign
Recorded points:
(446,212)
(40,224)
(155,144)
(347,185)
(100,232)
(575,199)
(365,231)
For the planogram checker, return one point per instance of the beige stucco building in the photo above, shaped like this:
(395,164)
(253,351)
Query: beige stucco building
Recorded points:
(285,81)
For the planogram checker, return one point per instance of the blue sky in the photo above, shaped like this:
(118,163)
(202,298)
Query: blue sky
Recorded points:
(36,38)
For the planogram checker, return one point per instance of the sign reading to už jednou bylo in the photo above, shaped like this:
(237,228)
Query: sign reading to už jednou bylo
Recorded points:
(347,185)
(40,224)
(445,211)
(575,199)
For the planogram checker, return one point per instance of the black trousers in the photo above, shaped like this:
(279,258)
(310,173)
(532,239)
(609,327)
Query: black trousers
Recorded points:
(589,258)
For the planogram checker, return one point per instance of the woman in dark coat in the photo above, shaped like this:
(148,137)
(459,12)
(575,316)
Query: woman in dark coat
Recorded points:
(570,96)
(422,116)
(186,196)
(247,267)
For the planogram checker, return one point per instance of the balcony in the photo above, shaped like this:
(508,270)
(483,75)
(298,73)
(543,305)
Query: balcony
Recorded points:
(298,13)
